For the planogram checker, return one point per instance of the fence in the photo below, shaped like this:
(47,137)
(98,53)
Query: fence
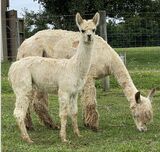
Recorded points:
(122,32)
(136,31)
(13,34)
(128,31)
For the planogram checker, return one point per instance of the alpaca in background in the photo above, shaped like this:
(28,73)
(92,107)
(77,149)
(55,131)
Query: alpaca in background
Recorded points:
(67,76)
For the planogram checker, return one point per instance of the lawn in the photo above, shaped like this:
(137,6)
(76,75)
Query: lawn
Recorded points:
(117,129)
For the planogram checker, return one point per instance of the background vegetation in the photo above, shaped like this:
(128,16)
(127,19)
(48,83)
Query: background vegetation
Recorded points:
(132,23)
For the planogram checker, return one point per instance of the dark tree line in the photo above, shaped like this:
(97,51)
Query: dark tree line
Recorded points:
(134,32)
(141,26)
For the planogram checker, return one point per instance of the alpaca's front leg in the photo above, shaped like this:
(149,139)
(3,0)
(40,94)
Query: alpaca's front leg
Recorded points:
(75,125)
(63,110)
(88,99)
(63,117)
(73,113)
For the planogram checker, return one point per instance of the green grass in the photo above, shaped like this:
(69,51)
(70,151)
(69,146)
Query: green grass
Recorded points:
(142,58)
(117,129)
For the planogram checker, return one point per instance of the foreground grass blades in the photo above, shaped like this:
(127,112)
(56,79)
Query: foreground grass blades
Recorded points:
(117,129)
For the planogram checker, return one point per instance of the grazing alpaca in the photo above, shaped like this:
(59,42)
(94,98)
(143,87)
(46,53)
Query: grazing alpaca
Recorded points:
(50,75)
(63,44)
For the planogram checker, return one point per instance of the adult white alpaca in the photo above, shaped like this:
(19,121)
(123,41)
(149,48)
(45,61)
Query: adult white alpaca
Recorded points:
(63,44)
(106,61)
(50,75)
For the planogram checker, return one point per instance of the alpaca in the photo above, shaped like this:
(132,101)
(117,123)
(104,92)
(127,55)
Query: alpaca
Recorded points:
(67,77)
(105,62)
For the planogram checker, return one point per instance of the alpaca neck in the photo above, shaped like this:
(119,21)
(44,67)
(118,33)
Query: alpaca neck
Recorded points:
(82,59)
(123,78)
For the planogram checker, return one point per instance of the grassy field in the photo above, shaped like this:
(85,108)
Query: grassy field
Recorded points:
(117,130)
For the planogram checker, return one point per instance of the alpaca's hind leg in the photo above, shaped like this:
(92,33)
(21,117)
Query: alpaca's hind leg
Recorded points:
(41,108)
(88,98)
(21,106)
(28,121)
(73,113)
(63,110)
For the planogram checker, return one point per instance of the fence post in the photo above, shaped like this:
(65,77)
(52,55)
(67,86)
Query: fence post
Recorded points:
(103,34)
(21,31)
(3,5)
(12,34)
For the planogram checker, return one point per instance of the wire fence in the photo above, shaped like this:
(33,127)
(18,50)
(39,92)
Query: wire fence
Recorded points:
(128,31)
(122,32)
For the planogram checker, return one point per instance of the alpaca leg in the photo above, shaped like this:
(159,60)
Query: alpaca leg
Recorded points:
(63,110)
(28,121)
(41,108)
(21,106)
(88,99)
(73,114)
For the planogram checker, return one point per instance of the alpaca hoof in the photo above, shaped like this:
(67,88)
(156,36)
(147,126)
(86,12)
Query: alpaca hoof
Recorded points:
(142,129)
(65,141)
(53,126)
(79,135)
(57,127)
(30,141)
(93,128)
(30,128)
(27,139)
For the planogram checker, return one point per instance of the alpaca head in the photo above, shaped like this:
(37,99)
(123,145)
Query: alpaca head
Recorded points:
(142,110)
(87,27)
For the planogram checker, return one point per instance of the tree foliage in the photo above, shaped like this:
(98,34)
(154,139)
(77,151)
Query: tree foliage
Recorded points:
(136,31)
(112,7)
(141,18)
(34,22)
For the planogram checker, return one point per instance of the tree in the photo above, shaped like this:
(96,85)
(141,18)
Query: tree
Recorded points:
(112,7)
(34,22)
(136,31)
(139,18)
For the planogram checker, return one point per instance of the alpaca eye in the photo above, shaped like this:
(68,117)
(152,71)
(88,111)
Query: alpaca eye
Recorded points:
(93,30)
(83,31)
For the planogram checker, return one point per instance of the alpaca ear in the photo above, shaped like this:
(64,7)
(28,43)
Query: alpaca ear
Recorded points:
(151,94)
(137,97)
(96,19)
(79,20)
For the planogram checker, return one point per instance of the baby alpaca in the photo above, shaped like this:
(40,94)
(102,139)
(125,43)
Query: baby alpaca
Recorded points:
(65,76)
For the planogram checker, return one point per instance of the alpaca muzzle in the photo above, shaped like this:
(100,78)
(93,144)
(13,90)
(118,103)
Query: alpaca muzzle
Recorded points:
(89,37)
